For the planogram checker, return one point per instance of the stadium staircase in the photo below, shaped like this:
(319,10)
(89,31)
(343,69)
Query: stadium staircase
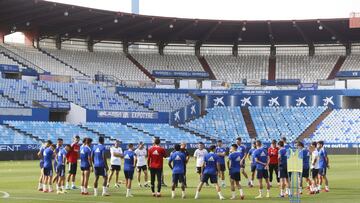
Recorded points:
(312,128)
(195,133)
(337,67)
(272,68)
(23,132)
(19,59)
(206,67)
(93,131)
(61,61)
(144,132)
(11,99)
(135,101)
(52,92)
(141,67)
(249,123)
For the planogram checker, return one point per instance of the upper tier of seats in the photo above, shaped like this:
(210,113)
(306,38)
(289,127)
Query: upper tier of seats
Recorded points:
(234,69)
(340,126)
(352,63)
(24,92)
(152,61)
(41,60)
(273,123)
(92,96)
(9,136)
(225,123)
(163,102)
(168,133)
(52,130)
(304,67)
(6,60)
(105,62)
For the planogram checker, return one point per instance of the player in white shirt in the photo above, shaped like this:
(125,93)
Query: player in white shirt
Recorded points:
(115,161)
(199,155)
(141,154)
(314,166)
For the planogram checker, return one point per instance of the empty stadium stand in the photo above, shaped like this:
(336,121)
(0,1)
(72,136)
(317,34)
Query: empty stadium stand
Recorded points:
(51,130)
(90,96)
(9,136)
(162,102)
(341,126)
(234,69)
(307,68)
(24,93)
(99,62)
(352,63)
(152,61)
(273,123)
(226,123)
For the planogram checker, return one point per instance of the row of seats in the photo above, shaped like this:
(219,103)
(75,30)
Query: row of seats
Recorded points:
(41,60)
(92,96)
(225,123)
(25,92)
(307,68)
(273,123)
(4,102)
(104,62)
(168,133)
(162,102)
(168,62)
(9,136)
(234,69)
(340,126)
(352,63)
(52,130)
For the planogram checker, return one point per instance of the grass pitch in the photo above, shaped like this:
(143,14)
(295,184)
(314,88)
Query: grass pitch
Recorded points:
(19,180)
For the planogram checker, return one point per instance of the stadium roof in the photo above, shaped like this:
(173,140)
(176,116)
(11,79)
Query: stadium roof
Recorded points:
(50,19)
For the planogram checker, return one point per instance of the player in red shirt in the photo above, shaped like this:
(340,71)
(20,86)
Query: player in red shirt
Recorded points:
(273,153)
(72,157)
(156,155)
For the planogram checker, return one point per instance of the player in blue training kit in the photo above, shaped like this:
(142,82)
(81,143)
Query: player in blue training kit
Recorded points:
(41,164)
(242,149)
(305,155)
(59,146)
(61,160)
(177,163)
(85,165)
(100,166)
(129,167)
(221,152)
(283,172)
(262,166)
(253,163)
(48,155)
(323,165)
(234,165)
(210,167)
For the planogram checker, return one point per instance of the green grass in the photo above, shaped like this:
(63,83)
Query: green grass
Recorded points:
(19,179)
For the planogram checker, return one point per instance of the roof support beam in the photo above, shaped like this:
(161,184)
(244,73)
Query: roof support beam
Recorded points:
(209,33)
(271,34)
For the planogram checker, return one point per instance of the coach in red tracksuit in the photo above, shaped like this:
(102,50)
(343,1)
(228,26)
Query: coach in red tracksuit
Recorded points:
(156,155)
(72,157)
(273,153)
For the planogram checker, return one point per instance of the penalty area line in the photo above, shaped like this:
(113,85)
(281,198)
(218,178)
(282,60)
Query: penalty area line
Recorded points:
(5,194)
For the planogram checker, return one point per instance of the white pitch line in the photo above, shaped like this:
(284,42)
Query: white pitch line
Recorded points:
(6,195)
(54,200)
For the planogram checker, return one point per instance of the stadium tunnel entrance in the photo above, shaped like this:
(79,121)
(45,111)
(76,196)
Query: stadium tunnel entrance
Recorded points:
(58,116)
(351,102)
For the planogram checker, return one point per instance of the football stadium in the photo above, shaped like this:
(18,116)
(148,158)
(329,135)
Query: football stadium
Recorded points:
(100,104)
